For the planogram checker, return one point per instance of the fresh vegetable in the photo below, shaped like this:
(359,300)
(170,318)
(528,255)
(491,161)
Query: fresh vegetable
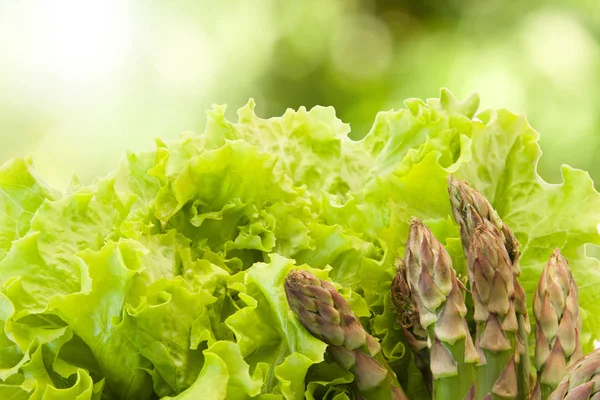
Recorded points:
(439,300)
(491,278)
(426,286)
(470,210)
(558,324)
(435,291)
(166,277)
(327,315)
(581,380)
(410,323)
(477,218)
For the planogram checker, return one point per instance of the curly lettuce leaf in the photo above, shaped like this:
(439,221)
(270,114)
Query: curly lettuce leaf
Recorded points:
(267,332)
(22,192)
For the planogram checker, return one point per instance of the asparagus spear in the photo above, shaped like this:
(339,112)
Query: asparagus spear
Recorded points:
(327,315)
(490,273)
(439,302)
(408,318)
(558,324)
(470,210)
(581,381)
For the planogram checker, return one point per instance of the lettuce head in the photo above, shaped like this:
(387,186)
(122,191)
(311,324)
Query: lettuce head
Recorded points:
(164,279)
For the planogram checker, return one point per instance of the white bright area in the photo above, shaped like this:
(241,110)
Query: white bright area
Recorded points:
(81,81)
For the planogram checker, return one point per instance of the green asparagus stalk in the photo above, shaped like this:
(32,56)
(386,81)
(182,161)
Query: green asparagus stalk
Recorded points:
(439,301)
(490,273)
(558,325)
(581,381)
(327,315)
(470,210)
(408,318)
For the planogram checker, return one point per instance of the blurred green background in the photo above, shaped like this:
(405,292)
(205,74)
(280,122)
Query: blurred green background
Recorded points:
(82,81)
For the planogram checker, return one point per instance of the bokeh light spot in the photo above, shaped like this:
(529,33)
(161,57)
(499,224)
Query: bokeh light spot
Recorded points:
(558,45)
(362,47)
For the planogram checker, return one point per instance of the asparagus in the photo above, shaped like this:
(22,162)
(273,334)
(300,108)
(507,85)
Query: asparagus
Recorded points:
(470,210)
(490,273)
(408,318)
(327,315)
(582,380)
(441,309)
(558,324)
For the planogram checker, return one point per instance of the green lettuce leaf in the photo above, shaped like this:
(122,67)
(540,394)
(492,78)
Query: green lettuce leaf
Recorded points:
(22,192)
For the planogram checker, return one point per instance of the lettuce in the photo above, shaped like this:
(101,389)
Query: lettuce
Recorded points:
(165,278)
